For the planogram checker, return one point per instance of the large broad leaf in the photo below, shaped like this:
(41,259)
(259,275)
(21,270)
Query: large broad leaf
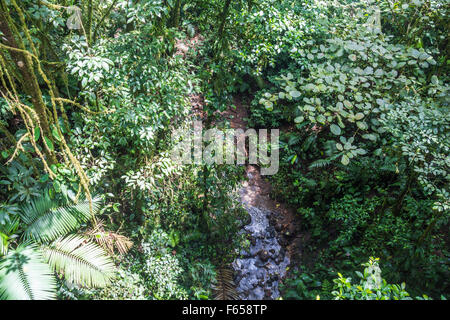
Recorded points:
(25,276)
(81,261)
(47,220)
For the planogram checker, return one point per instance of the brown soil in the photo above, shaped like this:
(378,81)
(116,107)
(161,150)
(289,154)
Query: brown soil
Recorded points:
(183,46)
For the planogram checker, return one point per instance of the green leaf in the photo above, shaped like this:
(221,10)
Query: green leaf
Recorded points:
(361,125)
(321,119)
(348,104)
(361,151)
(295,94)
(268,105)
(49,143)
(336,130)
(293,159)
(55,134)
(37,133)
(368,70)
(434,80)
(345,160)
(370,136)
(57,186)
(299,119)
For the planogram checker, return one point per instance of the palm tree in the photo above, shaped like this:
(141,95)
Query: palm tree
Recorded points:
(45,246)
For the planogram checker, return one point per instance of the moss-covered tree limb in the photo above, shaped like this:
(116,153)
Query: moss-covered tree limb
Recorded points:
(23,62)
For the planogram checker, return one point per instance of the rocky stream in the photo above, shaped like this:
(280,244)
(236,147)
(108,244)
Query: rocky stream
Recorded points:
(260,268)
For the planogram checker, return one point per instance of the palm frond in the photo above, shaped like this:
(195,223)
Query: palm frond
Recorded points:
(321,163)
(109,240)
(25,276)
(46,219)
(81,261)
(224,289)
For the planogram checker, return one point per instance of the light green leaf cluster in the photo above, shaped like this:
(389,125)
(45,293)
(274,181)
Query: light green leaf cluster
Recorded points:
(350,82)
(370,287)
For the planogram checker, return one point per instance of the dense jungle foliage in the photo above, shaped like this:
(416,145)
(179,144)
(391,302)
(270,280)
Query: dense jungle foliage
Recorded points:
(93,207)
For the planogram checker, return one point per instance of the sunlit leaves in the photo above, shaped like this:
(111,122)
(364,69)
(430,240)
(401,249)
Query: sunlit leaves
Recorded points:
(350,91)
(81,261)
(25,276)
(46,220)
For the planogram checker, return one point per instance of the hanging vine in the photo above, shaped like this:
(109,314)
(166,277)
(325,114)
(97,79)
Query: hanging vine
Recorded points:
(40,117)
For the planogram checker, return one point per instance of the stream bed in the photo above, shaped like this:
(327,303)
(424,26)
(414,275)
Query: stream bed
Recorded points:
(259,269)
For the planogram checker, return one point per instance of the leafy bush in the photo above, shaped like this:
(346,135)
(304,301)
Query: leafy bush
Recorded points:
(370,287)
(162,268)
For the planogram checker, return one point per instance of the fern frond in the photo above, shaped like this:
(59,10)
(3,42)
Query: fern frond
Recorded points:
(25,276)
(322,163)
(82,262)
(46,219)
(224,289)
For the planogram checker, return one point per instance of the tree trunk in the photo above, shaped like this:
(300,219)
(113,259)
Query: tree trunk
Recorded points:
(399,204)
(175,15)
(89,23)
(223,18)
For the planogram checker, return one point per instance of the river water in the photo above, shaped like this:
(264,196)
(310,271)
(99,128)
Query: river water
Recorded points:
(260,268)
